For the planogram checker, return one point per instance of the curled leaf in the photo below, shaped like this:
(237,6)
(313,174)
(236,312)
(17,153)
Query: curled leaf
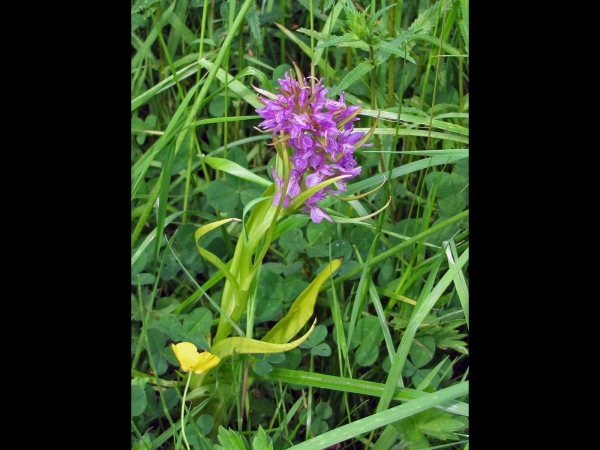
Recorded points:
(226,347)
(302,308)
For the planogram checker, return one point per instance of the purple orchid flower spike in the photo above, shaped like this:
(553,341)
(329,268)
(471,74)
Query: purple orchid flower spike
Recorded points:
(293,188)
(319,134)
(316,213)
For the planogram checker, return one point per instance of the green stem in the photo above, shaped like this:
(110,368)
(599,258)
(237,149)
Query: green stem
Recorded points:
(392,59)
(189,377)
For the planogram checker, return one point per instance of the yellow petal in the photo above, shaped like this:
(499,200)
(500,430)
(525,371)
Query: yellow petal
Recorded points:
(206,361)
(187,354)
(189,358)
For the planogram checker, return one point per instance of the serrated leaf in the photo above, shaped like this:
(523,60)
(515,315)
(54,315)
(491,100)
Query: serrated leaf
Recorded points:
(457,345)
(348,37)
(387,48)
(261,440)
(356,44)
(436,43)
(230,440)
(425,21)
(371,20)
(352,77)
(313,33)
(142,444)
(253,22)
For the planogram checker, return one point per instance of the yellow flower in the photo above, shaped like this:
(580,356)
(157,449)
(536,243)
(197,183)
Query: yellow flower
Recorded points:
(191,359)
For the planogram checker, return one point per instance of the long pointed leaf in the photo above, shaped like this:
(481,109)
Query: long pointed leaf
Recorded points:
(301,309)
(212,257)
(226,347)
(416,319)
(235,169)
(381,419)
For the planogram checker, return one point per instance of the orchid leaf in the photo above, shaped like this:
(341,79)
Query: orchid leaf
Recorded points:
(211,256)
(235,169)
(228,346)
(301,309)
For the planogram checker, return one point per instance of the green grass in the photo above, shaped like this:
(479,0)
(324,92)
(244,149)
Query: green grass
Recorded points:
(387,365)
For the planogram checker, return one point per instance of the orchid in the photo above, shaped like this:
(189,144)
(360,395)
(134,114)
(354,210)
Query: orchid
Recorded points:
(319,134)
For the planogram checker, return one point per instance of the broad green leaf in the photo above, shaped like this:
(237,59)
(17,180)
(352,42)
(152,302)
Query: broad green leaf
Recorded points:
(366,354)
(318,426)
(293,240)
(144,279)
(323,411)
(206,423)
(322,349)
(368,331)
(196,326)
(138,400)
(222,196)
(318,335)
(421,354)
(262,368)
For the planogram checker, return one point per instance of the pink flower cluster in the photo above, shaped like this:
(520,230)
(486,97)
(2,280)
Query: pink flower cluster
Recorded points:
(319,132)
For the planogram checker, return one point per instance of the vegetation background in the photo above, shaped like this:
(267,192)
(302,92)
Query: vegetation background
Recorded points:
(387,365)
